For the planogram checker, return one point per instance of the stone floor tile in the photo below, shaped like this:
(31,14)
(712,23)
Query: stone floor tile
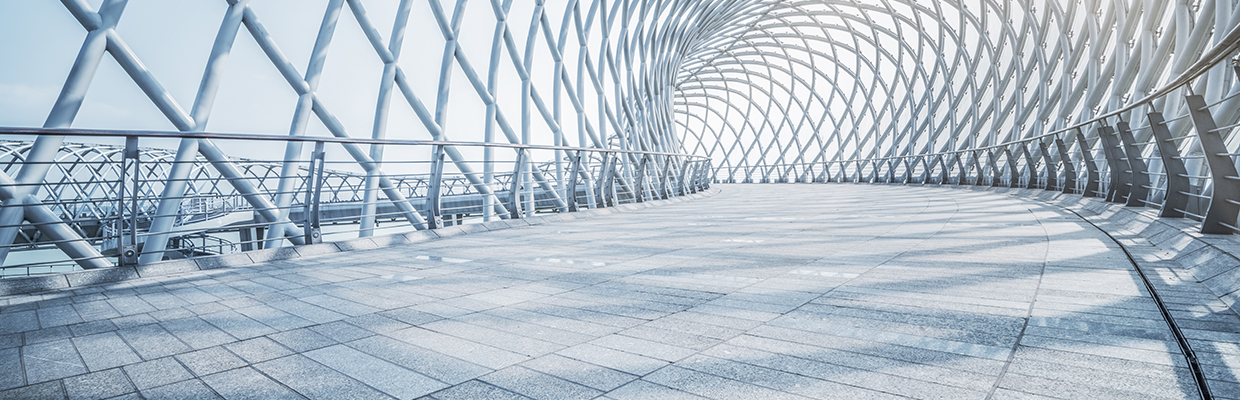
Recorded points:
(158,372)
(713,386)
(258,350)
(316,381)
(209,361)
(646,390)
(582,373)
(538,385)
(48,390)
(377,323)
(643,347)
(47,335)
(424,361)
(152,341)
(98,385)
(614,359)
(476,390)
(11,375)
(341,331)
(389,378)
(197,333)
(473,352)
(51,360)
(104,350)
(19,322)
(246,384)
(302,340)
(185,390)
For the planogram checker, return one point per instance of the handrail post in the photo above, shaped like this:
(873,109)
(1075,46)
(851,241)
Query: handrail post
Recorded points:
(1223,202)
(665,180)
(1013,173)
(434,216)
(640,194)
(1032,165)
(1092,176)
(976,165)
(1069,167)
(127,253)
(514,187)
(962,176)
(944,171)
(601,194)
(610,187)
(314,187)
(681,188)
(1138,173)
(1175,200)
(1120,176)
(1052,176)
(994,168)
(574,171)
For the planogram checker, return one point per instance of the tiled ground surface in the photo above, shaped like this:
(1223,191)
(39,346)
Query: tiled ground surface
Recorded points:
(759,292)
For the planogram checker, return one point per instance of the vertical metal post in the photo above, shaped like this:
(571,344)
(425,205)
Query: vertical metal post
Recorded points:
(1069,167)
(1092,177)
(665,189)
(514,188)
(609,184)
(962,177)
(681,182)
(1031,165)
(1013,173)
(943,174)
(1139,176)
(977,165)
(641,180)
(1175,200)
(1052,176)
(574,171)
(314,187)
(910,164)
(994,168)
(127,225)
(434,216)
(1117,190)
(601,193)
(1225,201)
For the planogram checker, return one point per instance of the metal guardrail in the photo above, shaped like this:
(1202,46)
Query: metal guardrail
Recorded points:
(123,204)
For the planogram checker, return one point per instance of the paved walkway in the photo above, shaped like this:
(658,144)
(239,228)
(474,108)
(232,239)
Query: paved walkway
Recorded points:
(758,292)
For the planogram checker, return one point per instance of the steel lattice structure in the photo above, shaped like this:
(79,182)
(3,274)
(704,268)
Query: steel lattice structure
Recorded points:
(770,90)
(810,82)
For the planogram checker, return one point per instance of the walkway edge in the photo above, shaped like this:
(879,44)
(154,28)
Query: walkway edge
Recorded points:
(42,283)
(1212,259)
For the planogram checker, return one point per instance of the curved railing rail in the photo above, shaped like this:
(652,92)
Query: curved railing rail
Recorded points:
(87,206)
(1184,165)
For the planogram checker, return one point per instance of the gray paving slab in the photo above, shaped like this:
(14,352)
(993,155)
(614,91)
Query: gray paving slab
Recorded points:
(155,373)
(52,360)
(99,385)
(184,390)
(316,381)
(246,384)
(883,292)
(391,379)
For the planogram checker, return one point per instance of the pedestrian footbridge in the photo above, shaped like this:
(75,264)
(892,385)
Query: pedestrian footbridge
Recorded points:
(620,199)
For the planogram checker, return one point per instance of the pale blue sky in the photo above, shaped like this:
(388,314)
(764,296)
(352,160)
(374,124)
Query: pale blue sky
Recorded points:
(40,40)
